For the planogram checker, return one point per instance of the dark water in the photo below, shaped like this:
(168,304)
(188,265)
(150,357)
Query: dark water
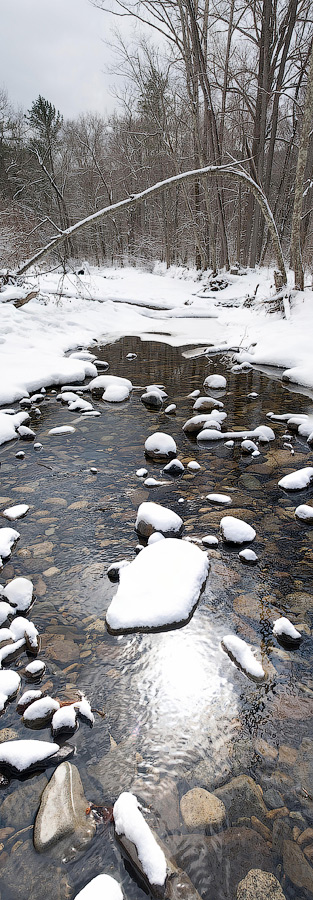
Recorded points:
(173,700)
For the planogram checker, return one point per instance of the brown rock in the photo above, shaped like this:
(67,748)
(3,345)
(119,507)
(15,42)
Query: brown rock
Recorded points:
(259,885)
(199,808)
(306,837)
(287,756)
(266,751)
(242,796)
(43,549)
(296,866)
(277,813)
(308,852)
(261,829)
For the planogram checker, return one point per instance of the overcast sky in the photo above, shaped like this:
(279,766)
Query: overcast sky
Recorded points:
(56,48)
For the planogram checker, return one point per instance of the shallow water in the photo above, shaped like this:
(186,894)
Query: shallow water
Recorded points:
(171,700)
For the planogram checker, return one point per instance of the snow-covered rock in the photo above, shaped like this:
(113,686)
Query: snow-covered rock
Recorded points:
(193,465)
(263,433)
(6,636)
(249,447)
(160,588)
(15,512)
(11,651)
(8,537)
(79,404)
(22,628)
(219,498)
(171,409)
(207,403)
(160,445)
(102,887)
(155,537)
(6,612)
(19,593)
(152,399)
(194,395)
(141,473)
(116,393)
(62,429)
(102,382)
(236,531)
(306,427)
(286,632)
(248,556)
(40,712)
(26,699)
(174,467)
(64,719)
(298,480)
(84,711)
(210,540)
(196,423)
(35,670)
(9,685)
(23,755)
(154,517)
(305,513)
(129,821)
(113,572)
(243,656)
(215,382)
(25,433)
(153,482)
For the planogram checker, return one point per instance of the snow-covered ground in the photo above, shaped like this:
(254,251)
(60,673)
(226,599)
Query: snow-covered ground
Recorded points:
(172,306)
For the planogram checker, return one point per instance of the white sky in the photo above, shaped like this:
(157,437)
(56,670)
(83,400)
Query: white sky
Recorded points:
(57,48)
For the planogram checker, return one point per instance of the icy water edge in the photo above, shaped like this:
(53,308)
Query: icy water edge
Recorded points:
(180,713)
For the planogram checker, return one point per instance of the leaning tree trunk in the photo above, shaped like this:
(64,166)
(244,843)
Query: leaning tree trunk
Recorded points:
(295,249)
(209,171)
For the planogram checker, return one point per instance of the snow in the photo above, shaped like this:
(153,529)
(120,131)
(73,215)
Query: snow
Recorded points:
(64,719)
(84,710)
(304,512)
(116,393)
(248,556)
(26,698)
(62,429)
(170,409)
(80,404)
(19,593)
(155,537)
(262,432)
(36,668)
(203,403)
(102,887)
(236,531)
(9,685)
(285,629)
(23,754)
(8,537)
(12,650)
(63,317)
(160,444)
(196,423)
(215,382)
(210,540)
(159,588)
(242,654)
(298,480)
(22,628)
(6,611)
(40,709)
(141,473)
(219,498)
(103,382)
(154,517)
(193,465)
(129,821)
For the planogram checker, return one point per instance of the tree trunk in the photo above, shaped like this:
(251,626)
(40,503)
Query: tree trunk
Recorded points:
(295,249)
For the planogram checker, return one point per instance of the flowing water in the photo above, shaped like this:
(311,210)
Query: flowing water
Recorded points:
(180,712)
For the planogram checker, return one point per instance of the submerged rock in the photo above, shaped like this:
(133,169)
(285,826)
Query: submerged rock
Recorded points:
(242,797)
(259,885)
(62,810)
(200,808)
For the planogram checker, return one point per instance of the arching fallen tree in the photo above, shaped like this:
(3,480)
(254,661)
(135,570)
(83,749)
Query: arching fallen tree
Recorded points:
(233,172)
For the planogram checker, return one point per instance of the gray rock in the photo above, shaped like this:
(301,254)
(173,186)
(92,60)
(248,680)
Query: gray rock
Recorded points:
(242,797)
(305,765)
(19,808)
(200,808)
(259,885)
(62,810)
(177,885)
(273,799)
(282,830)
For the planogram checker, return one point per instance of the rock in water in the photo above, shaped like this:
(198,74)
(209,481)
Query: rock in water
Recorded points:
(199,808)
(160,445)
(236,531)
(103,886)
(62,810)
(259,885)
(154,517)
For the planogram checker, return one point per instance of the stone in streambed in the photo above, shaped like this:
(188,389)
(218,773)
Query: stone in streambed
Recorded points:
(62,810)
(19,808)
(200,808)
(297,867)
(242,797)
(259,885)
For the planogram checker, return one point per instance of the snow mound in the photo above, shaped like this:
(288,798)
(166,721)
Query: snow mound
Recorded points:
(102,887)
(203,403)
(248,556)
(9,685)
(62,429)
(210,540)
(296,481)
(196,423)
(116,393)
(218,498)
(129,821)
(236,531)
(154,517)
(15,512)
(8,537)
(6,612)
(304,512)
(141,473)
(159,588)
(102,382)
(19,593)
(193,465)
(40,711)
(21,755)
(286,631)
(159,445)
(35,669)
(64,719)
(243,656)
(215,382)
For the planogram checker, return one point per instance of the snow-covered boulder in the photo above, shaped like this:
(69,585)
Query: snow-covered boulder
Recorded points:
(174,467)
(80,405)
(129,821)
(210,540)
(249,447)
(62,429)
(35,670)
(19,593)
(20,756)
(8,537)
(215,382)
(113,572)
(196,423)
(222,499)
(248,557)
(26,699)
(40,712)
(152,399)
(160,445)
(6,612)
(102,382)
(285,631)
(170,410)
(15,512)
(154,517)
(305,513)
(242,655)
(102,887)
(64,720)
(9,685)
(297,481)
(202,404)
(160,588)
(236,531)
(193,465)
(23,628)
